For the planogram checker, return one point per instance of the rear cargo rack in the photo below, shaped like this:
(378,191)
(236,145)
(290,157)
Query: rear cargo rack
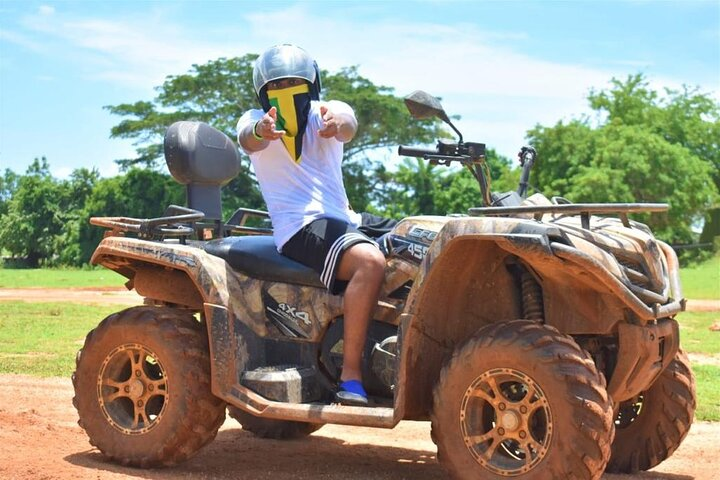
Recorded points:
(185,223)
(582,209)
(176,222)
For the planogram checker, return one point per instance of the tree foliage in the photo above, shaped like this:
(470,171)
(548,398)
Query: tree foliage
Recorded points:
(46,220)
(647,148)
(417,187)
(38,211)
(139,193)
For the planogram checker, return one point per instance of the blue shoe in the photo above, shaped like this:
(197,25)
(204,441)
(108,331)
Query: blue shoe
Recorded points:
(352,393)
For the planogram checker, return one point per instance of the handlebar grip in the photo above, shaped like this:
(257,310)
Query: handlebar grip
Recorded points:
(416,152)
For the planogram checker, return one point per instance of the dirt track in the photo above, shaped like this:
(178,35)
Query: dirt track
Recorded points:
(40,439)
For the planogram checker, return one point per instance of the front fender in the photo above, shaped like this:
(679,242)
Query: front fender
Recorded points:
(464,283)
(467,281)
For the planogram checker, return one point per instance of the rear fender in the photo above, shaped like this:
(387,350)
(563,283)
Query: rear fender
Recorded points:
(166,272)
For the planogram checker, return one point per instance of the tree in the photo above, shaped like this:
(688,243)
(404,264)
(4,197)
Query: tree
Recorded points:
(409,190)
(647,148)
(34,215)
(463,192)
(139,193)
(418,187)
(219,91)
(683,117)
(66,246)
(8,185)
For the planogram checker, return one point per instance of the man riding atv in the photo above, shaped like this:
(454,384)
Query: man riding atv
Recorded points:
(295,144)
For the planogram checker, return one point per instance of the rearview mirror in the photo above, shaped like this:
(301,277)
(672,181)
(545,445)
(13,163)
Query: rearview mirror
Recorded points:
(422,105)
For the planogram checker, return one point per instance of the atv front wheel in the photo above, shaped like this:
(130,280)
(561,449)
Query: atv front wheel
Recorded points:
(142,387)
(270,428)
(650,427)
(519,399)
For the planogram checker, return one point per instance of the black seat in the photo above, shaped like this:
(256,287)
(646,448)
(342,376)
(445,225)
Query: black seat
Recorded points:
(257,257)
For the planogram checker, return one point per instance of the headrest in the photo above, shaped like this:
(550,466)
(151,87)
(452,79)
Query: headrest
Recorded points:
(197,153)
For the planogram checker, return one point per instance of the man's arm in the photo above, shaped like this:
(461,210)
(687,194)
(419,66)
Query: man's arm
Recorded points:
(340,125)
(255,136)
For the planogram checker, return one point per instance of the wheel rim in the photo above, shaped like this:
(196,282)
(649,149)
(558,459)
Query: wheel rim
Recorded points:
(506,421)
(132,389)
(629,411)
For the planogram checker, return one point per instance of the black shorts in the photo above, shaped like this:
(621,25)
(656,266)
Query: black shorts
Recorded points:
(321,244)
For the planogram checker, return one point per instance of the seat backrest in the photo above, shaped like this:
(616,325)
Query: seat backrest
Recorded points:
(204,159)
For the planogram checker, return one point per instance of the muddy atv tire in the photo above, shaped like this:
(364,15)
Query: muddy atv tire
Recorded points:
(269,428)
(649,428)
(521,399)
(142,387)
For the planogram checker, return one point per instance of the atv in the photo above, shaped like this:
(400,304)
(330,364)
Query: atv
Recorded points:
(537,335)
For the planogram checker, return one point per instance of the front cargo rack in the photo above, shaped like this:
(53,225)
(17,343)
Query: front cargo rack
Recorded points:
(585,210)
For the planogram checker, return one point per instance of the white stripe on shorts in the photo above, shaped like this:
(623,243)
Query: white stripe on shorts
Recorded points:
(334,252)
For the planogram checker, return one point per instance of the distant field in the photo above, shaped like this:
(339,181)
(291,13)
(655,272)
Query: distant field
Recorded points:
(695,333)
(702,281)
(699,282)
(42,338)
(58,278)
(707,379)
(696,337)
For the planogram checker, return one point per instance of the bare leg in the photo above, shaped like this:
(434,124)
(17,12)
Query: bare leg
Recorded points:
(363,266)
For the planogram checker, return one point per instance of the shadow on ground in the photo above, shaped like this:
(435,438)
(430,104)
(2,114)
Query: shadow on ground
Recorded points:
(236,454)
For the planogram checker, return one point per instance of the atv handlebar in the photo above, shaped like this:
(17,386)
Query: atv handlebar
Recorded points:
(444,153)
(416,152)
(469,154)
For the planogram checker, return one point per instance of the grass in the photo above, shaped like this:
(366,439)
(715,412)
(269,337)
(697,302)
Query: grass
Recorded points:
(695,333)
(702,281)
(42,338)
(59,278)
(707,379)
(696,337)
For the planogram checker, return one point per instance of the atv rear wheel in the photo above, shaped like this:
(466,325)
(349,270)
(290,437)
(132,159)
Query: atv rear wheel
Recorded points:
(520,399)
(650,427)
(269,428)
(142,387)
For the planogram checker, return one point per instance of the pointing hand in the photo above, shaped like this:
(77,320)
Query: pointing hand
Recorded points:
(330,123)
(265,127)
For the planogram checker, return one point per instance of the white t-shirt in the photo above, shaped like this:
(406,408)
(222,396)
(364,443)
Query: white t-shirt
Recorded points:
(299,193)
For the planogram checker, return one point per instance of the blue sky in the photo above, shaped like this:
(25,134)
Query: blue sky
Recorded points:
(503,66)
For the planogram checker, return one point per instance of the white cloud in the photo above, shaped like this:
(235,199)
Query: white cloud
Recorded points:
(22,40)
(61,172)
(138,52)
(46,10)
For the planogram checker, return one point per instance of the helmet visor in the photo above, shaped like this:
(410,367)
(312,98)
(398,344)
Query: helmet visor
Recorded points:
(283,61)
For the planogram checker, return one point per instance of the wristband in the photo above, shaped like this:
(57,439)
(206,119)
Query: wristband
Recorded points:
(258,137)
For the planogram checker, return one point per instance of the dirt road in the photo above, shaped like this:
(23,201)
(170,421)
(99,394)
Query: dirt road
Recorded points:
(40,440)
